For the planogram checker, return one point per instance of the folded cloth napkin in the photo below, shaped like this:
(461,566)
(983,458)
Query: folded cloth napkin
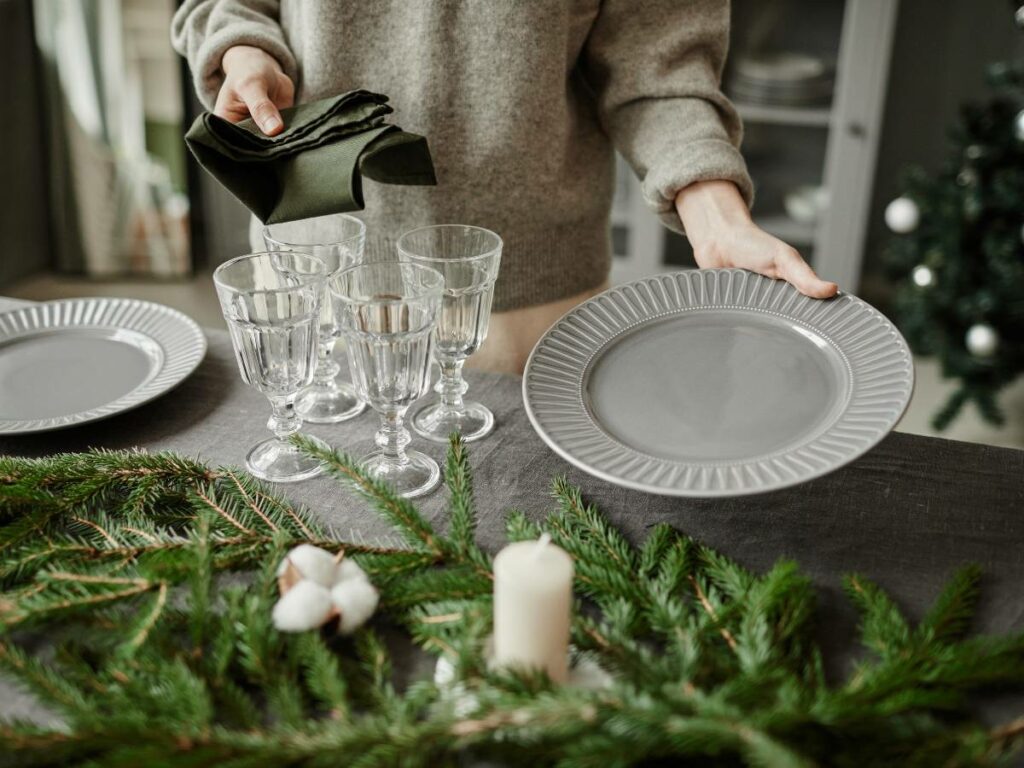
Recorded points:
(315,165)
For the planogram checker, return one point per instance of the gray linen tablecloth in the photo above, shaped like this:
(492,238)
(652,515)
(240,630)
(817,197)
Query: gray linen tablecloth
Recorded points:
(906,514)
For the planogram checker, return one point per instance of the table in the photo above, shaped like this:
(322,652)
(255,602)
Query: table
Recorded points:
(905,515)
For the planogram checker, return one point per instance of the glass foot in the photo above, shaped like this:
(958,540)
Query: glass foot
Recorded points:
(437,422)
(329,405)
(278,461)
(418,475)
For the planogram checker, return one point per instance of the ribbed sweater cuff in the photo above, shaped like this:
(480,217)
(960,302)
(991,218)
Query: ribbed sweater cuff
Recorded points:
(686,163)
(673,142)
(206,63)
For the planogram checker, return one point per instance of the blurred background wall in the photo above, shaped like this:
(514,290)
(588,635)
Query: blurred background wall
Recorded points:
(23,166)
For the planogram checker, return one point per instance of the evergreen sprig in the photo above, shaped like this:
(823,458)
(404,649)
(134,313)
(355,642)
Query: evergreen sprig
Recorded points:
(152,578)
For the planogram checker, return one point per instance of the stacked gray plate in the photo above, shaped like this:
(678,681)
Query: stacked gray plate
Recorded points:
(782,79)
(716,383)
(70,362)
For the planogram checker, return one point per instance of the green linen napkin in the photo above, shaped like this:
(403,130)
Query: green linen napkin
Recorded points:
(315,165)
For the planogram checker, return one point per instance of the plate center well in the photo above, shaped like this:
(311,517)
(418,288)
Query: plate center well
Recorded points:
(62,372)
(717,385)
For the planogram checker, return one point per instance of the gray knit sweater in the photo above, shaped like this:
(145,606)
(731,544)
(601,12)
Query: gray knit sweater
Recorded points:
(522,102)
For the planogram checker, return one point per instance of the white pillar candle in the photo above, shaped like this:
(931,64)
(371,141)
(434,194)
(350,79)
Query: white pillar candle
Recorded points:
(532,607)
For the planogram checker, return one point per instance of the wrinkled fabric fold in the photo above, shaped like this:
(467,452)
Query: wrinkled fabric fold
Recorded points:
(315,166)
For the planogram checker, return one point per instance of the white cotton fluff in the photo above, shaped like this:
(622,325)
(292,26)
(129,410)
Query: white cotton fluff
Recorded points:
(589,675)
(303,607)
(349,569)
(356,600)
(313,563)
(464,703)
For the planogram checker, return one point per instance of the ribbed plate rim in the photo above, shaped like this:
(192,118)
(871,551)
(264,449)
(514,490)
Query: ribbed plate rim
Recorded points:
(879,359)
(182,340)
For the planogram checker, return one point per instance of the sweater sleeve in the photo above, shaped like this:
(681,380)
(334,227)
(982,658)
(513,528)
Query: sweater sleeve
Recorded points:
(655,67)
(202,30)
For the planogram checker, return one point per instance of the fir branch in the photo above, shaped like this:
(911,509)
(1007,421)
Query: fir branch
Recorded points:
(950,616)
(518,527)
(52,688)
(205,499)
(708,660)
(323,675)
(593,525)
(145,622)
(712,614)
(462,513)
(250,500)
(883,628)
(658,542)
(459,480)
(399,512)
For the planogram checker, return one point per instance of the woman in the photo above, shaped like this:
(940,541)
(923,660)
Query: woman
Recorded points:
(522,103)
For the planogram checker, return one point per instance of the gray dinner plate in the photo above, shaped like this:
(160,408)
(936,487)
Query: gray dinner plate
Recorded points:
(70,362)
(716,383)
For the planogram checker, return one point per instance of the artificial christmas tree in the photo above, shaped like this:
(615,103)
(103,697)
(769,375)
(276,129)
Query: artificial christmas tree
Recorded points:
(959,250)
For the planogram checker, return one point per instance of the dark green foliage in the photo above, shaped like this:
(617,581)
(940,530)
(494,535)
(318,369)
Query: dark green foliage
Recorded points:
(161,650)
(971,237)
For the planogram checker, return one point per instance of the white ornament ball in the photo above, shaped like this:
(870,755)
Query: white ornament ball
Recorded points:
(356,600)
(1022,234)
(902,215)
(305,606)
(1018,126)
(922,276)
(982,340)
(312,563)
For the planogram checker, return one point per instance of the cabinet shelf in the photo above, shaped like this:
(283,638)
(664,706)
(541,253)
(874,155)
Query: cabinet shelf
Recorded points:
(794,232)
(802,116)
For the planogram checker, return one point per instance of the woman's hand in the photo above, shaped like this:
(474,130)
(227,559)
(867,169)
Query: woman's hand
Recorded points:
(722,234)
(253,85)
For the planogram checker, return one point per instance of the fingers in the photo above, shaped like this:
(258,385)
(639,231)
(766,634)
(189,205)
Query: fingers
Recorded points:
(264,112)
(793,269)
(229,107)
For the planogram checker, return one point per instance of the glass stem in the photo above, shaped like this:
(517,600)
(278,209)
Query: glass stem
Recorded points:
(283,421)
(326,367)
(451,386)
(392,437)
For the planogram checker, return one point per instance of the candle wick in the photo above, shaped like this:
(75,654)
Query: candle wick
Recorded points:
(542,542)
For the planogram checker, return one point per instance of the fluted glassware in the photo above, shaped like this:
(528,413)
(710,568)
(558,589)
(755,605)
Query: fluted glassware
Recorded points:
(468,258)
(271,302)
(339,240)
(387,312)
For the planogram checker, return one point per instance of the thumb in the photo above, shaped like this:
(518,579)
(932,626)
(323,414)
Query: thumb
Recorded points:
(798,272)
(262,109)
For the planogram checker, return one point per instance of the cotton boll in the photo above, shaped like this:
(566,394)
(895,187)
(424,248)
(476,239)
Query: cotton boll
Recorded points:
(589,675)
(463,702)
(349,569)
(312,562)
(356,600)
(307,605)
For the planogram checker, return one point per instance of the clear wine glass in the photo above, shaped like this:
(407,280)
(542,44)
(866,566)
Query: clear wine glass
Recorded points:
(387,312)
(339,240)
(468,258)
(271,302)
